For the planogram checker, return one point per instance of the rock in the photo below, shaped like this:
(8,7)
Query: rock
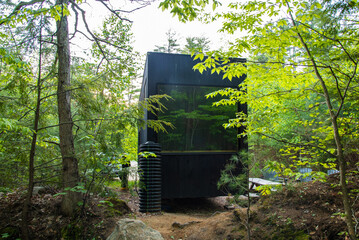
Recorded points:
(229,207)
(131,229)
(120,205)
(38,190)
(179,225)
(251,195)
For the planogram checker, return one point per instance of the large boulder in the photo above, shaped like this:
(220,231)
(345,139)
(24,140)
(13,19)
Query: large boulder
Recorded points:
(131,229)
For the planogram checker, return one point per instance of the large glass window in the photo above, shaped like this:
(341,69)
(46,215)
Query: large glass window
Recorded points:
(198,124)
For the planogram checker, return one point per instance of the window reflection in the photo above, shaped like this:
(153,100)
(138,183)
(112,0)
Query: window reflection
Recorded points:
(199,125)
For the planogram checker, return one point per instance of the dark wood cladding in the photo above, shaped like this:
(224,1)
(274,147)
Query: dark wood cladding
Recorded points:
(185,174)
(192,175)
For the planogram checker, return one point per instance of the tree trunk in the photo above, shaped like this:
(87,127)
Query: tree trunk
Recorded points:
(248,226)
(348,210)
(27,203)
(338,142)
(70,175)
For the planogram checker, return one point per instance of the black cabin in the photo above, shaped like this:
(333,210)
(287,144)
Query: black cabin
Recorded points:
(194,153)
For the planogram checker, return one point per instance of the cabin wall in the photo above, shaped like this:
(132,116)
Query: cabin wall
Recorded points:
(185,174)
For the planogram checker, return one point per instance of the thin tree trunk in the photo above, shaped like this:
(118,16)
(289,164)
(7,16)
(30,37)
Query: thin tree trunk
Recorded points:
(340,154)
(27,203)
(70,175)
(339,147)
(249,204)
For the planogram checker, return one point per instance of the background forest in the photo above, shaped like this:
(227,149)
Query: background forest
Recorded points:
(64,119)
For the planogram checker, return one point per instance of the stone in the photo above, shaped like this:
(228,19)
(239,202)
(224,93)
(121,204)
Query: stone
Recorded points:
(181,226)
(132,229)
(229,207)
(38,190)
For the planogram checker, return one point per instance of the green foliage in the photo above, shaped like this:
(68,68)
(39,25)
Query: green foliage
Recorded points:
(115,206)
(5,190)
(302,78)
(18,80)
(234,177)
(264,189)
(195,119)
(187,10)
(106,114)
(9,233)
(154,104)
(147,154)
(196,45)
(280,83)
(73,230)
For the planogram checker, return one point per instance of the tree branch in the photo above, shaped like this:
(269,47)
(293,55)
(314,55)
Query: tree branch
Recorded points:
(336,83)
(52,142)
(82,120)
(115,12)
(76,21)
(18,8)
(323,35)
(297,144)
(286,64)
(87,27)
(48,162)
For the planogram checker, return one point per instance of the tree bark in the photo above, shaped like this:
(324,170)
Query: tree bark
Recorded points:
(70,175)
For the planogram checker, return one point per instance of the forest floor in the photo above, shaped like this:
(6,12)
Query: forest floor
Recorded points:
(310,210)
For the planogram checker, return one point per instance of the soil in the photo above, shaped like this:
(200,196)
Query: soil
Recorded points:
(310,210)
(195,219)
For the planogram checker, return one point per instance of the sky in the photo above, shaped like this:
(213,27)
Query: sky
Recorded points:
(150,25)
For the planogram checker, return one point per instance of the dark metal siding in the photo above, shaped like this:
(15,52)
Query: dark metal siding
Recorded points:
(185,175)
(192,175)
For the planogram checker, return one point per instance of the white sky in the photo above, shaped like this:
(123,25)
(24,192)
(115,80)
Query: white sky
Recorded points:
(150,25)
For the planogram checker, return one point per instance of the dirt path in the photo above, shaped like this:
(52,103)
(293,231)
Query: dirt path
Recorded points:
(194,220)
(182,226)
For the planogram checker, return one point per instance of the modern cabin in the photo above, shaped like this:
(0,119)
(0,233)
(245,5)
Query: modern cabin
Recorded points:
(196,150)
